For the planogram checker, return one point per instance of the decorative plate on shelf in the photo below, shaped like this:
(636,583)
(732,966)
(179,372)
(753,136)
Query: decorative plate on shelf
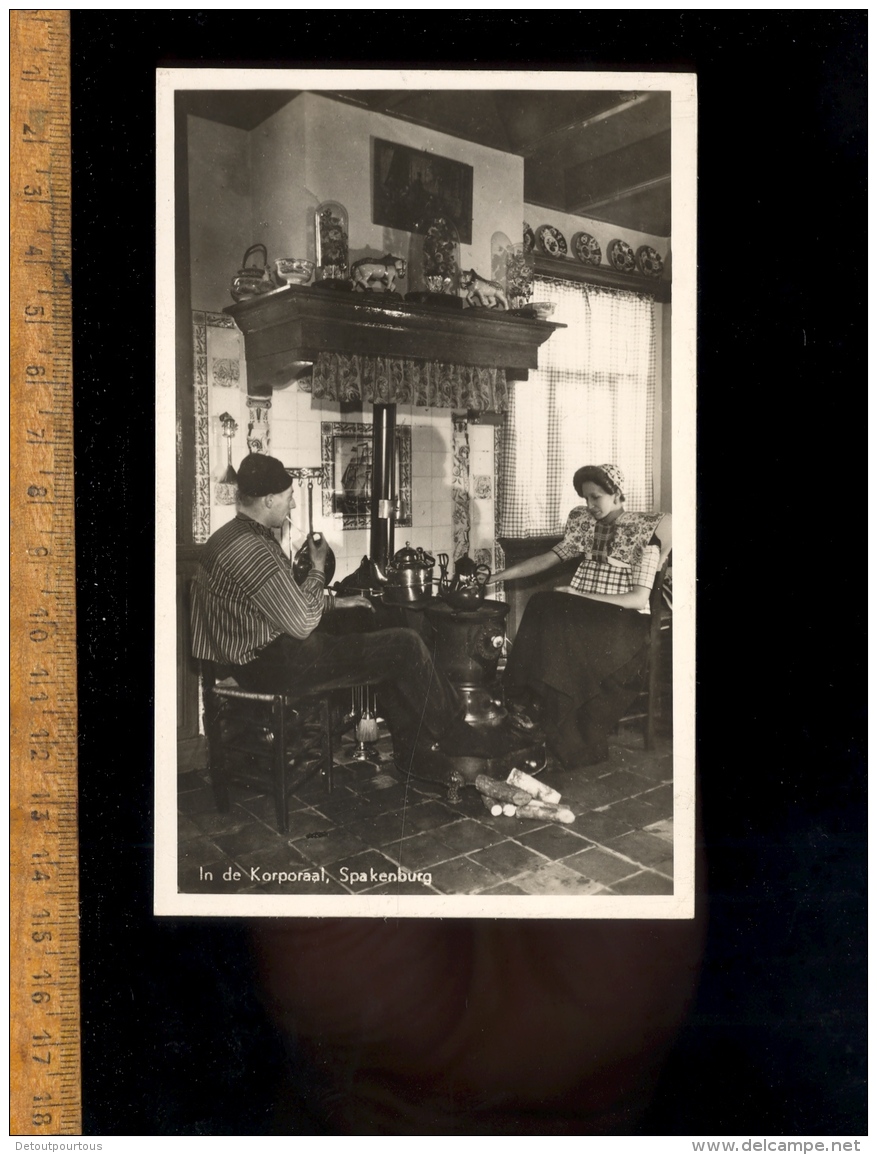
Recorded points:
(552,240)
(529,239)
(621,256)
(649,261)
(587,249)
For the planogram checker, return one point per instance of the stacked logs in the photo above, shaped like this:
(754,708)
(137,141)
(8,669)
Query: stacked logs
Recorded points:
(522,796)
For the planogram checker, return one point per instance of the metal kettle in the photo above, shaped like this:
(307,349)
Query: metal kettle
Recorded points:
(253,280)
(468,584)
(409,575)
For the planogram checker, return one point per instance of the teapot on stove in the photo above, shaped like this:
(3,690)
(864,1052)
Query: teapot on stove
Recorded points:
(468,584)
(409,575)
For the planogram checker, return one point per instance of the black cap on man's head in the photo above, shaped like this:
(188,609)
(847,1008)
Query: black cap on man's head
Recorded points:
(259,474)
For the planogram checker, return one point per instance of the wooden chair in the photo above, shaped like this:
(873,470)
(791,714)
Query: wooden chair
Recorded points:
(647,705)
(271,740)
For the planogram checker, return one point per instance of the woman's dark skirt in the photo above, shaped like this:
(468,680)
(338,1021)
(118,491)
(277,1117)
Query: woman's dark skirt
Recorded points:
(584,661)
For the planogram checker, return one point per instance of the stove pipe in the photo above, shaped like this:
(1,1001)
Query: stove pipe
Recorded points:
(383,489)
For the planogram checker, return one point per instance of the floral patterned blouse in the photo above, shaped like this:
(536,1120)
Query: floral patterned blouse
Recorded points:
(616,557)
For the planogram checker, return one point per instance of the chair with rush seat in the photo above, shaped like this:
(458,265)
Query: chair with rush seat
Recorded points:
(271,740)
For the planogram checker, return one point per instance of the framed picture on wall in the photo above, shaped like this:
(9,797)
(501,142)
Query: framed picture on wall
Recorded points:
(347,464)
(411,187)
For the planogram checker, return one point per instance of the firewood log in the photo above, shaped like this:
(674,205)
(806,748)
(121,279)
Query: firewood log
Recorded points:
(492,805)
(536,809)
(522,781)
(502,791)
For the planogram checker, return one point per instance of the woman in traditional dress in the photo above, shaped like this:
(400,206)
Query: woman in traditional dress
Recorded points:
(580,650)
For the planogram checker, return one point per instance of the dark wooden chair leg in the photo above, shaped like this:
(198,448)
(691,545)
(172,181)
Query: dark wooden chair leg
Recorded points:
(328,743)
(281,801)
(291,731)
(216,762)
(652,703)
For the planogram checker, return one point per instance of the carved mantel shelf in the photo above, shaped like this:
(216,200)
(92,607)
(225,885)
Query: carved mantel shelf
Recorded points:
(285,329)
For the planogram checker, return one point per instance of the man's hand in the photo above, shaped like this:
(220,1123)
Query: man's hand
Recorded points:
(318,551)
(349,603)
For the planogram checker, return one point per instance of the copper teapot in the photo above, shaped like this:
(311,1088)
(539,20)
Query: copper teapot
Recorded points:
(253,280)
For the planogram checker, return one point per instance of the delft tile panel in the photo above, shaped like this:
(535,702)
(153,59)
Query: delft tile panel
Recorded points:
(201,509)
(219,381)
(498,551)
(460,487)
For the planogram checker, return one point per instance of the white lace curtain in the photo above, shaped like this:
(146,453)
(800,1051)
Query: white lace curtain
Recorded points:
(592,401)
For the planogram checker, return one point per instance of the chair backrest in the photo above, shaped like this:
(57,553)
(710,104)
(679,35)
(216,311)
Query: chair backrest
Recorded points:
(664,534)
(656,601)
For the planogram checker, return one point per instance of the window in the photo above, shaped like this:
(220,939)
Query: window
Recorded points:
(592,401)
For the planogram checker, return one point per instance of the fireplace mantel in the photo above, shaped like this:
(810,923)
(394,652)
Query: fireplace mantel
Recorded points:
(284,329)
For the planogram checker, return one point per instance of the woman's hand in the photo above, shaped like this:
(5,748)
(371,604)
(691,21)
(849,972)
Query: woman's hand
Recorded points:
(529,568)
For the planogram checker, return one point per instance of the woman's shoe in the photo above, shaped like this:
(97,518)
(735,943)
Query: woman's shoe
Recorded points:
(523,715)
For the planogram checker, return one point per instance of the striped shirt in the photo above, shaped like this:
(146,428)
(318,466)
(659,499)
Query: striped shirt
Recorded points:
(244,595)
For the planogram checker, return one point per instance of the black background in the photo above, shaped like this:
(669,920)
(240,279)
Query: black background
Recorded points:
(174,1039)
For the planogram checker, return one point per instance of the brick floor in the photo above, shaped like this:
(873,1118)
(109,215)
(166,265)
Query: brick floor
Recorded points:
(620,843)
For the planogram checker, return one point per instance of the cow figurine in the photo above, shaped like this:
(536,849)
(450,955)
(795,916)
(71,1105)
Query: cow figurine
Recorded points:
(370,273)
(489,294)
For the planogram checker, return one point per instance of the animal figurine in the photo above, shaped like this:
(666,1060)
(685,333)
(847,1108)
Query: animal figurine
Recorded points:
(370,272)
(489,294)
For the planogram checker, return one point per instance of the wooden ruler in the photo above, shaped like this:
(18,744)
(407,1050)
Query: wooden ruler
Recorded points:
(44,882)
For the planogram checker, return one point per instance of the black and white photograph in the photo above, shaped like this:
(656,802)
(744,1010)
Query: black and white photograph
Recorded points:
(432,480)
(243,1011)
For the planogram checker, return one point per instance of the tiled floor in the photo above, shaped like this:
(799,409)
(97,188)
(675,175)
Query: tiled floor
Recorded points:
(375,823)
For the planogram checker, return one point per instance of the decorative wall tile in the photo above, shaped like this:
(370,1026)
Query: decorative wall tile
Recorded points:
(225,371)
(200,370)
(202,400)
(483,486)
(217,364)
(460,486)
(499,552)
(219,320)
(258,425)
(201,505)
(201,511)
(484,557)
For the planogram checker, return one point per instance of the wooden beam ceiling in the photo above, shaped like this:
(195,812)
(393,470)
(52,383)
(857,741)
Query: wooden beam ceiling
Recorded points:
(603,179)
(602,154)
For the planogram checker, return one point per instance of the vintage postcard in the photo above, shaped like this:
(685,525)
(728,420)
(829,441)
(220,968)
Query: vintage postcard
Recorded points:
(425,560)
